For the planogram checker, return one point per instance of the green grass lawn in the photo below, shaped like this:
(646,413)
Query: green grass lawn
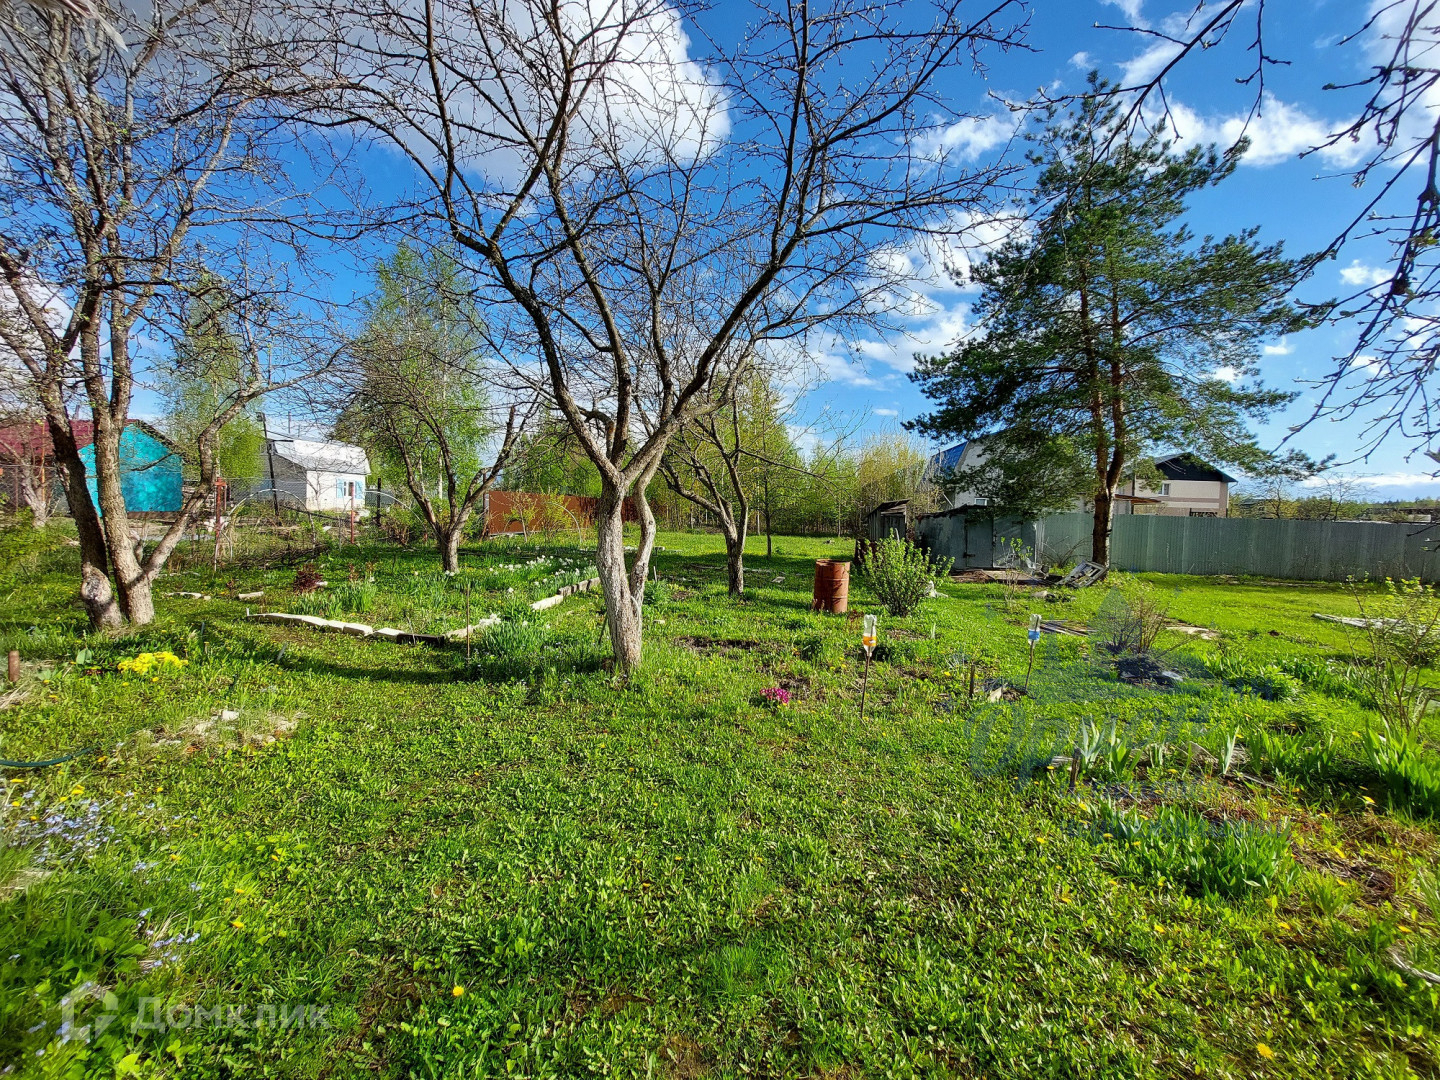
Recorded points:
(521,867)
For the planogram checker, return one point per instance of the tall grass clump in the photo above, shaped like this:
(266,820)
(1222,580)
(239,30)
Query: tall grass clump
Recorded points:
(512,649)
(1406,774)
(346,598)
(1231,860)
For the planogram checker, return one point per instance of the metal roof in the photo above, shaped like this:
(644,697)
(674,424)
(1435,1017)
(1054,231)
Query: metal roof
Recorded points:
(1187,466)
(316,456)
(946,460)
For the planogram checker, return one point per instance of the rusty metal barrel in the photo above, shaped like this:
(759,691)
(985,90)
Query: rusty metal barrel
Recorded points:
(832,586)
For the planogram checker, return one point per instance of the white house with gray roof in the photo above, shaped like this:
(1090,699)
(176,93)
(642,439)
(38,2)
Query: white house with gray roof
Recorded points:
(324,475)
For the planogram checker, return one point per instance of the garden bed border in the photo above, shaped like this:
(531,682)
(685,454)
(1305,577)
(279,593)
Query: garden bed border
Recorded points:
(389,633)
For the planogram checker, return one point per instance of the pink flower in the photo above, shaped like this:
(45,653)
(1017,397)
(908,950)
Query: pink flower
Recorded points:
(776,695)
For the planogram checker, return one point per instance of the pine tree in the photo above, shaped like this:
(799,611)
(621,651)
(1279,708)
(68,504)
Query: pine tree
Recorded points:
(1106,329)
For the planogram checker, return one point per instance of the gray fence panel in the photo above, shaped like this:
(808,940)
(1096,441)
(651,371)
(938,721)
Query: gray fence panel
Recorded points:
(1262,547)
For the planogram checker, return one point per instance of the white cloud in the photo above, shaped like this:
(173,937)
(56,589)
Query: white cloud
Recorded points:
(1389,23)
(1402,479)
(1358,273)
(1148,63)
(968,138)
(1279,132)
(1280,348)
(1131,8)
(1226,373)
(1082,61)
(886,412)
(804,438)
(654,101)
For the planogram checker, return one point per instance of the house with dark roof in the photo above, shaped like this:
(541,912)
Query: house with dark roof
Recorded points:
(1189,487)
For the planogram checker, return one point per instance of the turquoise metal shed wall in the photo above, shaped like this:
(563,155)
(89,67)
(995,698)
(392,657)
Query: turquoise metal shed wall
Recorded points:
(150,473)
(1301,550)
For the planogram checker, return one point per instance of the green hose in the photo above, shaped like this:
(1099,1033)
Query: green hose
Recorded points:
(6,763)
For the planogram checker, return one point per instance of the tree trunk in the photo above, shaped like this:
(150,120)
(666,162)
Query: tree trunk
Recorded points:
(448,542)
(769,545)
(132,584)
(622,611)
(1100,534)
(95,590)
(735,531)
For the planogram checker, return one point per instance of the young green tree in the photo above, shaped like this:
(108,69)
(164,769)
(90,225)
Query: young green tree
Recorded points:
(419,399)
(550,460)
(207,373)
(1107,329)
(735,459)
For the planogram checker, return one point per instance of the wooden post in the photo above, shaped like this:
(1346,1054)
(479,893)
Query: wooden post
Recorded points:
(14,666)
(468,627)
(219,495)
(868,637)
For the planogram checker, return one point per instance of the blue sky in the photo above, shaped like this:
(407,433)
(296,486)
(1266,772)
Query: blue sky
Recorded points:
(1302,202)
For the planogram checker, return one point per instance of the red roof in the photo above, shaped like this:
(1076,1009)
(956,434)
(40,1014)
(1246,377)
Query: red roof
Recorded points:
(25,442)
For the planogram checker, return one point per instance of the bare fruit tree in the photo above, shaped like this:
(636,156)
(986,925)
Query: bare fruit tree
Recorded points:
(636,222)
(125,131)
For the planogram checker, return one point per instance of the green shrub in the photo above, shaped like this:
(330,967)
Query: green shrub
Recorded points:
(1130,618)
(900,573)
(1406,774)
(1401,644)
(1177,845)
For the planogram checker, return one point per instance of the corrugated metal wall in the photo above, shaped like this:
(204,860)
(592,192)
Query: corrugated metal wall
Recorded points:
(1301,550)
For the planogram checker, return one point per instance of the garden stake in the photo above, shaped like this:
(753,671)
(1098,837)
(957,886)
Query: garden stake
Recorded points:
(14,666)
(1034,636)
(867,639)
(467,622)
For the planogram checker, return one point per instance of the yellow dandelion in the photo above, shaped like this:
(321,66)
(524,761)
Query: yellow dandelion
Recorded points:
(237,924)
(457,991)
(1159,929)
(1264,1051)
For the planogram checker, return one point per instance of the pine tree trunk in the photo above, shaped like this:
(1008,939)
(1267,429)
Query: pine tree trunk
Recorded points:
(622,611)
(1100,534)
